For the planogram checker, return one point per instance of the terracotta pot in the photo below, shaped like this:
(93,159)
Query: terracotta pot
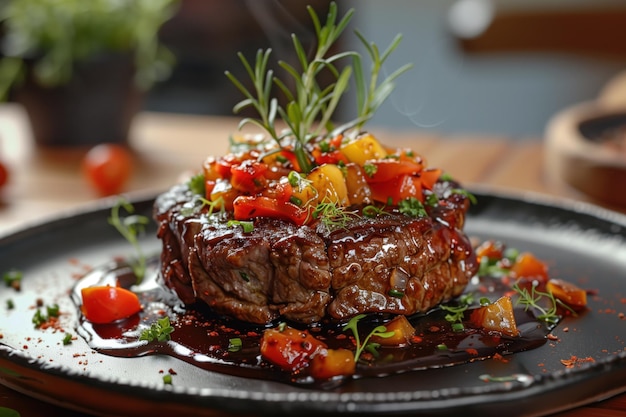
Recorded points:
(96,106)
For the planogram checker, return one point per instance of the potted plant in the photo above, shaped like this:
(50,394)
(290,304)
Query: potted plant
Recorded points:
(78,67)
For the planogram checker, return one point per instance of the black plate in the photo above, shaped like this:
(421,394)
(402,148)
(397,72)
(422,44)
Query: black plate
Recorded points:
(583,244)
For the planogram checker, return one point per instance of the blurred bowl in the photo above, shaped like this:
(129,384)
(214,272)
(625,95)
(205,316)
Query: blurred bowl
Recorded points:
(586,148)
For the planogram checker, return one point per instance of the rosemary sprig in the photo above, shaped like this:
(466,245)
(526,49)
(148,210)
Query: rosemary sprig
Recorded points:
(369,98)
(309,107)
(130,227)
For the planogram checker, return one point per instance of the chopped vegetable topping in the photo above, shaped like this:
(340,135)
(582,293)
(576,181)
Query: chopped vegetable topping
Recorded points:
(13,278)
(160,331)
(378,331)
(107,304)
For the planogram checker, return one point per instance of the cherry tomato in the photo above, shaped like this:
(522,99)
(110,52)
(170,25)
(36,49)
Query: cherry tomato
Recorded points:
(107,304)
(4,175)
(289,348)
(107,167)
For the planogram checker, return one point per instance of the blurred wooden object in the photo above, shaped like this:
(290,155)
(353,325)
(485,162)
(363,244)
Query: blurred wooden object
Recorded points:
(591,31)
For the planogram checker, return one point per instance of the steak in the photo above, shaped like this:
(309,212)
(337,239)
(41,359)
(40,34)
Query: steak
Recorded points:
(391,263)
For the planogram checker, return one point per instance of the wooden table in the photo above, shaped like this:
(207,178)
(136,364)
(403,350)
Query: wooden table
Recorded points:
(46,182)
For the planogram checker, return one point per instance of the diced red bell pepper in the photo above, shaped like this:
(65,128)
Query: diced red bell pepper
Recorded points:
(430,177)
(248,176)
(388,169)
(250,207)
(397,189)
(291,157)
(289,348)
(332,157)
(107,304)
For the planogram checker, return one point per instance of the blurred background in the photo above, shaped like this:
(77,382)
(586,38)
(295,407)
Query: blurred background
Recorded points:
(480,66)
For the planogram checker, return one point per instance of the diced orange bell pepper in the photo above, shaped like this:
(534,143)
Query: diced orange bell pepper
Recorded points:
(328,363)
(402,330)
(497,317)
(529,267)
(568,293)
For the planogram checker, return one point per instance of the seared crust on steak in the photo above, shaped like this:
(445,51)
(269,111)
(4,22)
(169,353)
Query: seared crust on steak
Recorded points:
(392,263)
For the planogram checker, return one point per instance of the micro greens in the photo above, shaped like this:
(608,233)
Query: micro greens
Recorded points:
(456,313)
(333,215)
(378,331)
(533,298)
(310,106)
(130,227)
(159,330)
(372,211)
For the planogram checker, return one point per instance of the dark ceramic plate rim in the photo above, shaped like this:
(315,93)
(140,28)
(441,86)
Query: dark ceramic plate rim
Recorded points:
(537,396)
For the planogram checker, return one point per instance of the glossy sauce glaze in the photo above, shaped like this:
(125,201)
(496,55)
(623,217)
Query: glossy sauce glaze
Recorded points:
(204,339)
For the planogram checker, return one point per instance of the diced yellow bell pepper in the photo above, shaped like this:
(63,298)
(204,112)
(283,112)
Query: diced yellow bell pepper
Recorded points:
(363,148)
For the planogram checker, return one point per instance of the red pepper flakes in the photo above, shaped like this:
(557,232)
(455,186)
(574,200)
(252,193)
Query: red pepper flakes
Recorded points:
(576,361)
(500,358)
(416,339)
(473,352)
(551,336)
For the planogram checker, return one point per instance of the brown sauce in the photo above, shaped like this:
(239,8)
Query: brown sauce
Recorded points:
(203,338)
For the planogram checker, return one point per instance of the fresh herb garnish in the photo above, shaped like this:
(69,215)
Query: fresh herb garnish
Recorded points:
(10,304)
(333,215)
(378,331)
(370,169)
(534,298)
(247,226)
(310,106)
(167,379)
(456,313)
(234,344)
(13,278)
(197,184)
(67,339)
(412,207)
(372,211)
(159,331)
(40,318)
(130,227)
(470,196)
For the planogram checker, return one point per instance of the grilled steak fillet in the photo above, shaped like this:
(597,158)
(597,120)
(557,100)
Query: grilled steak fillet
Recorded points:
(391,263)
